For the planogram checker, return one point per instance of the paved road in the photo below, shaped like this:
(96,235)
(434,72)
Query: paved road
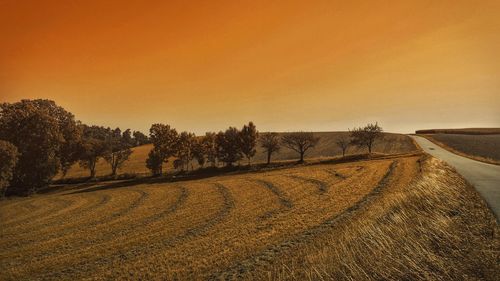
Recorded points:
(485,177)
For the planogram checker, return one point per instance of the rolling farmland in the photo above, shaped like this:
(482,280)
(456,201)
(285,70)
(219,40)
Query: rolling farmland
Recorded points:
(232,226)
(484,147)
(389,144)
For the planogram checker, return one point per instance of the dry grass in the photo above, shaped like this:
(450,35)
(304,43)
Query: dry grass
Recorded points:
(389,144)
(348,221)
(483,148)
(437,228)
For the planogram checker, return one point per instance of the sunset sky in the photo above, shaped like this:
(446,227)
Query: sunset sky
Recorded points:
(286,65)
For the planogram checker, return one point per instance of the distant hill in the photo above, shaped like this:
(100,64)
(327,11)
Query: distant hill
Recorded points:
(464,131)
(389,144)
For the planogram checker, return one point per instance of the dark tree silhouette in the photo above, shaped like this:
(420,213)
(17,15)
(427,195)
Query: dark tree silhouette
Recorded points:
(248,141)
(154,162)
(140,138)
(210,147)
(45,135)
(164,139)
(8,160)
(199,152)
(300,142)
(127,138)
(343,143)
(118,149)
(184,149)
(93,147)
(229,146)
(270,142)
(366,136)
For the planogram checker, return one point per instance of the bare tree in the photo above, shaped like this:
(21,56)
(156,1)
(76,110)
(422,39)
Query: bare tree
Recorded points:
(343,142)
(271,144)
(300,142)
(366,136)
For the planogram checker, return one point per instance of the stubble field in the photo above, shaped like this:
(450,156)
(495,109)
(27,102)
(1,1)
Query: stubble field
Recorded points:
(322,221)
(484,148)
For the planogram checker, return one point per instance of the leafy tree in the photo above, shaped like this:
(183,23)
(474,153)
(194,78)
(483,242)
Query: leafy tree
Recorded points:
(8,160)
(199,152)
(300,142)
(179,164)
(154,162)
(210,148)
(165,141)
(118,149)
(366,136)
(45,135)
(127,138)
(270,142)
(94,146)
(229,146)
(140,138)
(248,141)
(184,148)
(343,143)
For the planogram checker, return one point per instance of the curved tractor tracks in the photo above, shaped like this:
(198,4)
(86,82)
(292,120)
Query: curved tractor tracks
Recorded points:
(143,195)
(136,251)
(270,253)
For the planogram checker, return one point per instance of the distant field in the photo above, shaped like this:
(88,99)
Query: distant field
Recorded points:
(464,131)
(389,144)
(482,147)
(346,221)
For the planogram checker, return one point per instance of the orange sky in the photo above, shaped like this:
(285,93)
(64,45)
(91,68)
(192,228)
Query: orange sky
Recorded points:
(286,65)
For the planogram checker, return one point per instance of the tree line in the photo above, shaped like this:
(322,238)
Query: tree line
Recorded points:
(39,139)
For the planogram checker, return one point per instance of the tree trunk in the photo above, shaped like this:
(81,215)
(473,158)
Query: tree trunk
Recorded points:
(268,157)
(301,157)
(113,170)
(343,153)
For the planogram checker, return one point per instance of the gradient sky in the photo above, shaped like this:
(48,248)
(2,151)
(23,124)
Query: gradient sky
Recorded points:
(286,65)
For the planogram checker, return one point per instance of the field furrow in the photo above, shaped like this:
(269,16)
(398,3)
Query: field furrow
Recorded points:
(124,227)
(71,225)
(140,250)
(322,186)
(238,224)
(269,254)
(47,207)
(56,219)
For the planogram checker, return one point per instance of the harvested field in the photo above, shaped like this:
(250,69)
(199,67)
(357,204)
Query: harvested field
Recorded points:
(484,148)
(285,224)
(389,144)
(464,131)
